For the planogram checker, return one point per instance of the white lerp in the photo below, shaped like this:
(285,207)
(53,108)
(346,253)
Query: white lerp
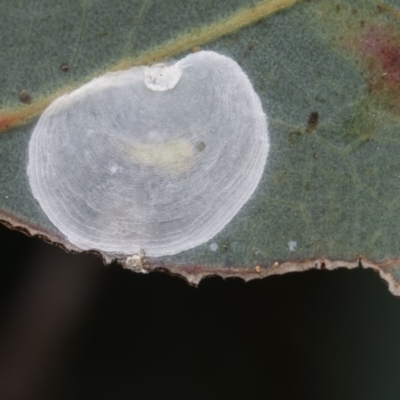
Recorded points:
(157,158)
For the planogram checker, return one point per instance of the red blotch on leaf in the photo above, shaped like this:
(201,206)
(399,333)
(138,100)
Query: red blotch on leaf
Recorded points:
(381,51)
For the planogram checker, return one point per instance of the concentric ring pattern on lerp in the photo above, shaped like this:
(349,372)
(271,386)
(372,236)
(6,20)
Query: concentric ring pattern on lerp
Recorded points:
(156,158)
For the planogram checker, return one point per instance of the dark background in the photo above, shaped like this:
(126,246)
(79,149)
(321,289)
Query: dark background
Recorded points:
(71,328)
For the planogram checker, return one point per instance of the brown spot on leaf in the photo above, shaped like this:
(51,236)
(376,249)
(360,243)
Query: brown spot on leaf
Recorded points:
(64,67)
(24,97)
(312,122)
(225,247)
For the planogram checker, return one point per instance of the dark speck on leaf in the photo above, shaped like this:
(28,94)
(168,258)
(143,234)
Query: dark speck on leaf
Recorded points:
(312,121)
(200,146)
(225,247)
(64,67)
(25,97)
(248,51)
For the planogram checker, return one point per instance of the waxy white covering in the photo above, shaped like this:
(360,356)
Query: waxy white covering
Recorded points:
(155,160)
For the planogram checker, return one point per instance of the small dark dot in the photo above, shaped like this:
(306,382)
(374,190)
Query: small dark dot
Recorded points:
(200,146)
(225,247)
(25,97)
(312,123)
(64,67)
(362,23)
(315,156)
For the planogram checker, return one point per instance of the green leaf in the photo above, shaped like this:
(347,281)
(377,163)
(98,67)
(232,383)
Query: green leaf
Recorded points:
(328,74)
